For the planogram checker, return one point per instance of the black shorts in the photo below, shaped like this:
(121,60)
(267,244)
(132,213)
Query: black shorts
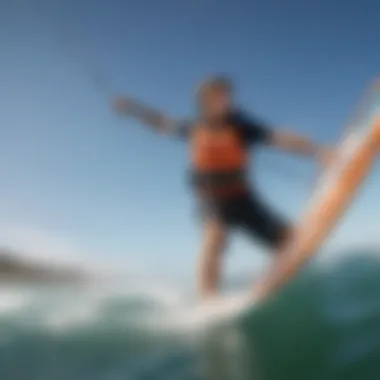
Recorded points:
(249,213)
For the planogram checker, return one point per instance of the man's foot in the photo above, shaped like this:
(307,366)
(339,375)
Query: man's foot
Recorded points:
(258,294)
(209,297)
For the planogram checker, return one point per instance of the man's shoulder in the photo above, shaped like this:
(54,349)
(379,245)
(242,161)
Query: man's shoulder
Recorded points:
(239,117)
(251,127)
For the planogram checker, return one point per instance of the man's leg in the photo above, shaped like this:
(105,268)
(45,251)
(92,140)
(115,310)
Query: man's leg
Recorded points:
(260,221)
(214,241)
(281,270)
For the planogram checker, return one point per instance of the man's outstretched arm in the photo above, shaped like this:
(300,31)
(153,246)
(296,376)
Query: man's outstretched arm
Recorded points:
(294,143)
(256,131)
(146,115)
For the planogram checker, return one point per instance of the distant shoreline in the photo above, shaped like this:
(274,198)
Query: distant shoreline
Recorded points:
(16,269)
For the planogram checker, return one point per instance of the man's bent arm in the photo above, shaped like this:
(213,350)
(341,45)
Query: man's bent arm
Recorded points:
(294,143)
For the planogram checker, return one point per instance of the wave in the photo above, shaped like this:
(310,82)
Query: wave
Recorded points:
(323,323)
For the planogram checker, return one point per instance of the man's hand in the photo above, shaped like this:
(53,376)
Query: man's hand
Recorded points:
(123,105)
(144,113)
(326,156)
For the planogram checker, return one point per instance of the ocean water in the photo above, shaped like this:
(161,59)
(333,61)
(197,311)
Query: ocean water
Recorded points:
(325,325)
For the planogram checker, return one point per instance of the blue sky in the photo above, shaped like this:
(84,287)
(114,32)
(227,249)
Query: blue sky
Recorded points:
(75,175)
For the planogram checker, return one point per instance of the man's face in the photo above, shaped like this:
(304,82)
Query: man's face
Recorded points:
(217,102)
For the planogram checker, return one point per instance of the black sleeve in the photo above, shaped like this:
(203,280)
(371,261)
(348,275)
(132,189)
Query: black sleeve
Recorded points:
(181,129)
(253,130)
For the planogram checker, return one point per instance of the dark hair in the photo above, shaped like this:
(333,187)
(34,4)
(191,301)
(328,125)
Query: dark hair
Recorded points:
(219,82)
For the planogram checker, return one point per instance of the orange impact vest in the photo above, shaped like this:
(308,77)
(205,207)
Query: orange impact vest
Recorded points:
(219,159)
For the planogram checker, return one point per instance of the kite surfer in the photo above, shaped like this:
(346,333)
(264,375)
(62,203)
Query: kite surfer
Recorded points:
(221,138)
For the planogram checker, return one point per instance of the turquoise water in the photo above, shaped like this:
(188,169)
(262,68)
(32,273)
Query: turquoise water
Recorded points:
(326,325)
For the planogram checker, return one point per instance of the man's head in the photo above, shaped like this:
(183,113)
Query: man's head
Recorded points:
(215,96)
